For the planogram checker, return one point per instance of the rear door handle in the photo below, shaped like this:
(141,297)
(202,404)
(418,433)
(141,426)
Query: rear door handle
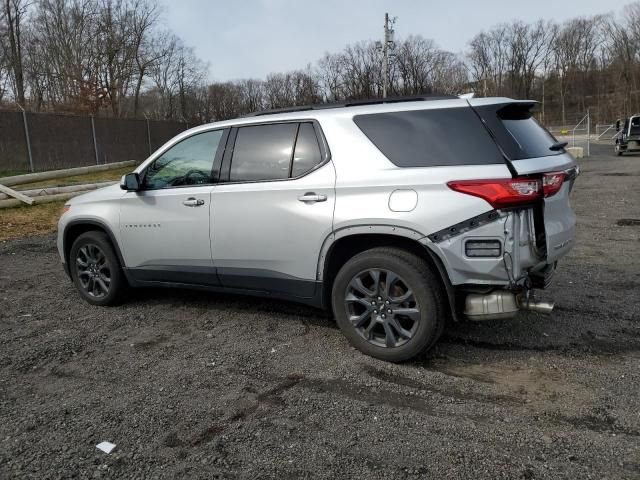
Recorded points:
(193,202)
(312,197)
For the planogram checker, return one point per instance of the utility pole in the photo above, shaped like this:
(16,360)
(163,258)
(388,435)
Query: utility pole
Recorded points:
(387,44)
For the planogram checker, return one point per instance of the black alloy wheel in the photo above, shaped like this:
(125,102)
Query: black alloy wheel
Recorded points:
(388,303)
(95,269)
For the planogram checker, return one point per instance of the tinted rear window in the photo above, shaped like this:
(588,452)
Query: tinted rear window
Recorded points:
(430,138)
(517,132)
(307,154)
(263,152)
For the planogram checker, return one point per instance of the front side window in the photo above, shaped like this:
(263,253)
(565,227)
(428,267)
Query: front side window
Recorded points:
(263,152)
(188,162)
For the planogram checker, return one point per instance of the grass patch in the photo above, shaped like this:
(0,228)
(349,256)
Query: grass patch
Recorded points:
(29,220)
(95,177)
(11,173)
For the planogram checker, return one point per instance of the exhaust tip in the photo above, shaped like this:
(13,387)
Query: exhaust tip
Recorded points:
(537,306)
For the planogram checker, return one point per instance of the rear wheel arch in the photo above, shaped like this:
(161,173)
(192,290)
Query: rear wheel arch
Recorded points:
(388,303)
(345,247)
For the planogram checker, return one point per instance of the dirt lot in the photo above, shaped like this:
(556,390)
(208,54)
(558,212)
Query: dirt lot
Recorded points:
(200,385)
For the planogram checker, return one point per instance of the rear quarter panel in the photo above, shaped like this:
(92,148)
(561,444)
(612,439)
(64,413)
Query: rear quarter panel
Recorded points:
(365,180)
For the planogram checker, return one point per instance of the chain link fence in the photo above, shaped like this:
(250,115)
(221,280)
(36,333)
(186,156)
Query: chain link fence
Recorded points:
(576,134)
(47,141)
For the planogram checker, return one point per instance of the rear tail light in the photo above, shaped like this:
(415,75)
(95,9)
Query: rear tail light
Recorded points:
(552,183)
(501,193)
(511,192)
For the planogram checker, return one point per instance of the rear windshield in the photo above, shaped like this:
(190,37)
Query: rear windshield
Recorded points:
(429,138)
(517,132)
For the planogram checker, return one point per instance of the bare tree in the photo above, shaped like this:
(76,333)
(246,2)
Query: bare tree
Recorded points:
(13,14)
(110,57)
(144,17)
(623,45)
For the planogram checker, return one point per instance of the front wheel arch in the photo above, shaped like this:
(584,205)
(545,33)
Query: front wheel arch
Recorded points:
(75,228)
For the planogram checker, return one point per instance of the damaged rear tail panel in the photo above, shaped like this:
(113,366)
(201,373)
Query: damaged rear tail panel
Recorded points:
(533,152)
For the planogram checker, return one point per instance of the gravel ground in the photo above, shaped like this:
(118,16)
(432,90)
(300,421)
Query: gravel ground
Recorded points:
(199,385)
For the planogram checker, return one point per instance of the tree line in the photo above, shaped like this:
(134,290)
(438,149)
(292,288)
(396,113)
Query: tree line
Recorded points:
(113,57)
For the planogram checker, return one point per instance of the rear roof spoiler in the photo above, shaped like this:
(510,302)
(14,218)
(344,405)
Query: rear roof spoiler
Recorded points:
(481,102)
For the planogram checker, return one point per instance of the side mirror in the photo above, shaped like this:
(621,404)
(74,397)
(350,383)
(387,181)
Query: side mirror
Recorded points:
(617,125)
(130,182)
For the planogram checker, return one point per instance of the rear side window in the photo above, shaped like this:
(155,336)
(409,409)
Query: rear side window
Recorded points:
(307,154)
(263,152)
(431,138)
(517,132)
(274,152)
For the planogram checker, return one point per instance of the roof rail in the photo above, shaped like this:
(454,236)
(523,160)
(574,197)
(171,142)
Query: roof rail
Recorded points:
(354,103)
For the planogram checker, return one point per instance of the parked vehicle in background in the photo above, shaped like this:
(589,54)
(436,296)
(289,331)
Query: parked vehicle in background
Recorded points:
(395,215)
(628,137)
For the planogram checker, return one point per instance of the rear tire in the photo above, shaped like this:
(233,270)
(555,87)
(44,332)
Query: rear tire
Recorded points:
(388,303)
(95,269)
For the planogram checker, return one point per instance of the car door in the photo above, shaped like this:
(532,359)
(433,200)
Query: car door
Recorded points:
(273,208)
(165,227)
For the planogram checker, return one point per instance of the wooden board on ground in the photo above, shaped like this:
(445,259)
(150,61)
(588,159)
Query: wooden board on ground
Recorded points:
(14,194)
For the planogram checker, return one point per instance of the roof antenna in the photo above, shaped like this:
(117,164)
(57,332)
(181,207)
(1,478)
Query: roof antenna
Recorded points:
(467,96)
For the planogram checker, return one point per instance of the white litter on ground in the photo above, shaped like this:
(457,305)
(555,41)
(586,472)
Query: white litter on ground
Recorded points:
(106,447)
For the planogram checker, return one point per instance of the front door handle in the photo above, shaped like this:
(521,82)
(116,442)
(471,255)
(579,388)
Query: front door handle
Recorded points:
(193,202)
(311,197)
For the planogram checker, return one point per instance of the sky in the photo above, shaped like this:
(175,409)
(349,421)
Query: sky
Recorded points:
(252,38)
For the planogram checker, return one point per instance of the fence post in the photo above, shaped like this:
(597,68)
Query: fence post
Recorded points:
(26,136)
(95,144)
(148,133)
(588,133)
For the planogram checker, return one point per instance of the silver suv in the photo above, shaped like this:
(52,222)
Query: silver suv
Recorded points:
(394,215)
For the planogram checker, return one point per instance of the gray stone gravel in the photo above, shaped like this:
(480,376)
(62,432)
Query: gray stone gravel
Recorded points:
(199,385)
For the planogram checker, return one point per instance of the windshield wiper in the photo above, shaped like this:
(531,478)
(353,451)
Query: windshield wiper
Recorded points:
(558,146)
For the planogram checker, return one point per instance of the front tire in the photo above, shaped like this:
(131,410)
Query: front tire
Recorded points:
(388,304)
(95,269)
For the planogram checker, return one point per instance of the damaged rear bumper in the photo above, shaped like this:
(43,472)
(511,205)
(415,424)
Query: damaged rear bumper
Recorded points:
(496,281)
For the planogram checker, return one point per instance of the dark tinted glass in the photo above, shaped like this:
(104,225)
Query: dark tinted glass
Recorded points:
(186,163)
(307,154)
(428,138)
(517,132)
(262,152)
(532,139)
